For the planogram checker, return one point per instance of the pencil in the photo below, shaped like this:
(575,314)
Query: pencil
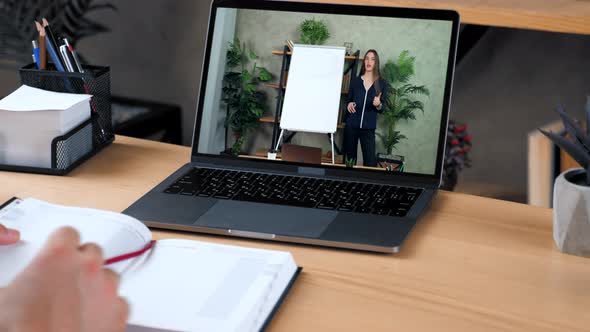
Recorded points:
(42,47)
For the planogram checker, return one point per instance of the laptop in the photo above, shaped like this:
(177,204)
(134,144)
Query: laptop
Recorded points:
(234,184)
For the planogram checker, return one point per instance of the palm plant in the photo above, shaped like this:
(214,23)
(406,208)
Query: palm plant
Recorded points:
(400,103)
(245,105)
(67,18)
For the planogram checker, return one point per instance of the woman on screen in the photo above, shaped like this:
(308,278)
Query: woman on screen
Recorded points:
(365,100)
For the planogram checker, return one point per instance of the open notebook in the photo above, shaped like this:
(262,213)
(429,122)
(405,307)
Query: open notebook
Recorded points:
(177,285)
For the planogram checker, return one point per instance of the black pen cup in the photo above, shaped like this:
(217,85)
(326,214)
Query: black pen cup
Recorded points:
(85,140)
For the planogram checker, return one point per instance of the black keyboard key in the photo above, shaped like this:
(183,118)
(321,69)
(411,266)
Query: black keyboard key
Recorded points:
(246,196)
(328,193)
(382,211)
(381,203)
(187,192)
(301,203)
(368,203)
(362,209)
(380,193)
(405,205)
(411,197)
(223,195)
(200,172)
(327,204)
(185,180)
(280,197)
(207,192)
(263,196)
(397,196)
(173,190)
(400,212)
(348,206)
(312,198)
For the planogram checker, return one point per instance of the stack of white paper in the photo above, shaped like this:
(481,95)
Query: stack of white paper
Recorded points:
(31,118)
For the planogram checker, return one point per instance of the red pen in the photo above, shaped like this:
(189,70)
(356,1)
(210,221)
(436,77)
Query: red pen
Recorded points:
(130,255)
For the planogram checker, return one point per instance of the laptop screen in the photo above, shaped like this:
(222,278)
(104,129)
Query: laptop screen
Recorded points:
(348,91)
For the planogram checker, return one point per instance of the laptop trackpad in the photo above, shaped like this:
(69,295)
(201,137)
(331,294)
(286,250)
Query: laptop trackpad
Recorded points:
(267,218)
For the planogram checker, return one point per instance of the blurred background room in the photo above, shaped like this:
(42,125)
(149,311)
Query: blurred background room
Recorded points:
(508,82)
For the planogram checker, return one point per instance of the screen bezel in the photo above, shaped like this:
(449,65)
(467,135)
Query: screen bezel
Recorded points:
(344,9)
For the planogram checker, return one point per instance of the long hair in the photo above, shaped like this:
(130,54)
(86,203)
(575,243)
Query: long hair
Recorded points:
(376,69)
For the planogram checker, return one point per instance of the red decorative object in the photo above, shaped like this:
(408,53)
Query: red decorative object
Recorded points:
(457,154)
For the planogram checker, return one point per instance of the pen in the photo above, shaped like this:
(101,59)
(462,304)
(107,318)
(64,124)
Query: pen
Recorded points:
(52,39)
(64,53)
(134,254)
(54,55)
(74,55)
(36,56)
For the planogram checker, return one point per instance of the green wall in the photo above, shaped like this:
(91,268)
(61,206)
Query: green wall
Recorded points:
(428,41)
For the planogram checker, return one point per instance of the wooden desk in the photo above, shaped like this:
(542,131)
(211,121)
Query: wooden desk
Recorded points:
(572,16)
(472,264)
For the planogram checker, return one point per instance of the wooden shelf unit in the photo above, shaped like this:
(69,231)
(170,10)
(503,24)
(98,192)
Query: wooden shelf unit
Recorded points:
(276,86)
(347,57)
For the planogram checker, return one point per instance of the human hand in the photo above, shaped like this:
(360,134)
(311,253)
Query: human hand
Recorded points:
(8,236)
(64,289)
(377,100)
(351,107)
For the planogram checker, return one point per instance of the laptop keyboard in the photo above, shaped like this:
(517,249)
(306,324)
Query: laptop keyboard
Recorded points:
(296,191)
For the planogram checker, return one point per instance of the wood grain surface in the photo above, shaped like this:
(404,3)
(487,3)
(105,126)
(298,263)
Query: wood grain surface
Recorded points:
(472,263)
(571,16)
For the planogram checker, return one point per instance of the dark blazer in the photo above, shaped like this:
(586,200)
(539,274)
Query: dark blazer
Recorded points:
(364,117)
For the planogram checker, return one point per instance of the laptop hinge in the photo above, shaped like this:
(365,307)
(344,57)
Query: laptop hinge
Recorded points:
(311,171)
(319,172)
(432,186)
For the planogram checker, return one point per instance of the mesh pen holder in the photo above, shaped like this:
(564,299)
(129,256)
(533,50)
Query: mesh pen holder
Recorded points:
(88,138)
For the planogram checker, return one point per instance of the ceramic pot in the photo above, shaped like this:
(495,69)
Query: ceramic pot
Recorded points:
(571,213)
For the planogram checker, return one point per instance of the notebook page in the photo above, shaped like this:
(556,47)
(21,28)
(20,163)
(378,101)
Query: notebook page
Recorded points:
(116,233)
(281,275)
(184,285)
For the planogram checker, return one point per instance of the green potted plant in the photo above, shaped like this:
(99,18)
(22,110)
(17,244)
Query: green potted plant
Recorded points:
(401,103)
(349,163)
(245,104)
(313,32)
(571,192)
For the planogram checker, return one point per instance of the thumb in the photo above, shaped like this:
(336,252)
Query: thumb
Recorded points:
(8,236)
(379,96)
